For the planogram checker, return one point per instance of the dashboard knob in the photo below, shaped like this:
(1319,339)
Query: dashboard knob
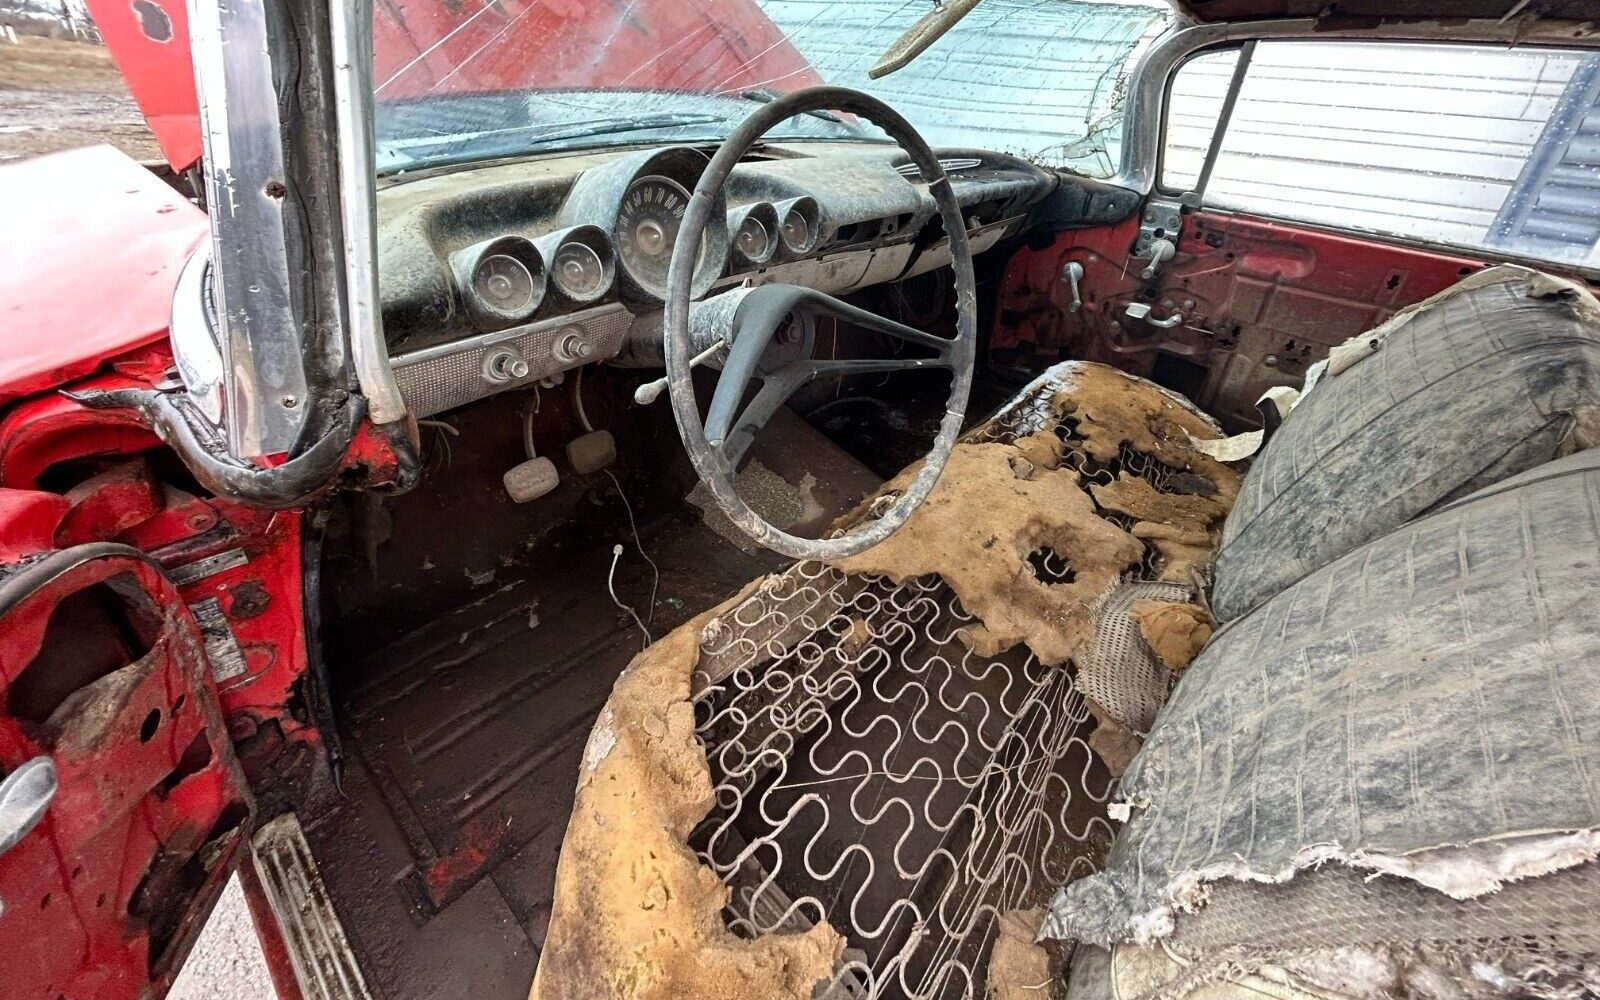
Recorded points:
(505,365)
(572,346)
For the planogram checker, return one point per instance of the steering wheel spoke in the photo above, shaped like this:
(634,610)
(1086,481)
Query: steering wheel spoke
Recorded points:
(869,366)
(772,330)
(775,391)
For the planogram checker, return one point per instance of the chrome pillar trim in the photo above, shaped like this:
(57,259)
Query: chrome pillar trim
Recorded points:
(193,333)
(1145,112)
(265,377)
(350,30)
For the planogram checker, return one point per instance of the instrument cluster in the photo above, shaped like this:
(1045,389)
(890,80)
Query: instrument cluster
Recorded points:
(497,275)
(505,281)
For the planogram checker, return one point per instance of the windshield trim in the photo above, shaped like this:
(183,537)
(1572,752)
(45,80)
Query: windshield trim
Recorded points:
(721,111)
(437,168)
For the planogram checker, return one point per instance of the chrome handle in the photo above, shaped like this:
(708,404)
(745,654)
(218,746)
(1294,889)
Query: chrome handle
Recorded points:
(1141,311)
(1072,274)
(24,797)
(1161,251)
(651,391)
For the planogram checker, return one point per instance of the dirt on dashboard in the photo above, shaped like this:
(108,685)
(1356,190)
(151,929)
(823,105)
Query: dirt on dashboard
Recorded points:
(57,94)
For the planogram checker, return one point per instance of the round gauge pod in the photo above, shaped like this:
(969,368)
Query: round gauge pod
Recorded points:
(754,230)
(647,230)
(502,281)
(799,223)
(644,195)
(583,265)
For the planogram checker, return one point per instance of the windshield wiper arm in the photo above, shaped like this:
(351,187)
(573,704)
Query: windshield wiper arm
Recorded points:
(634,123)
(767,95)
(930,27)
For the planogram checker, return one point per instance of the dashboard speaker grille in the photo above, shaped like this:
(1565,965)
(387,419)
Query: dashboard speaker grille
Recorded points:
(951,165)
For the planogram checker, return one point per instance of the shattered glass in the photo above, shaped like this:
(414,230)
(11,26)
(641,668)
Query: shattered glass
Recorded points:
(454,81)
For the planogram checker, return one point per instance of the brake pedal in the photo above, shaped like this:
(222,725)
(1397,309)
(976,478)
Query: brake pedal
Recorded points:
(531,480)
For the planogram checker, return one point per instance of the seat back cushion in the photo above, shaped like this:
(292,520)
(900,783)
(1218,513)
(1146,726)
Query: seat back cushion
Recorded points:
(1494,376)
(1426,707)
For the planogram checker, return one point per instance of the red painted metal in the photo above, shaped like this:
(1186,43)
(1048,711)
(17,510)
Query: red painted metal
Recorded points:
(109,503)
(149,40)
(701,46)
(71,475)
(262,598)
(1260,301)
(112,495)
(93,246)
(1035,325)
(28,520)
(430,46)
(151,810)
(48,431)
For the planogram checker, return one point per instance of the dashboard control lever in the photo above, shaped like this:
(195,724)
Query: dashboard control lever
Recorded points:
(1072,274)
(1141,311)
(651,391)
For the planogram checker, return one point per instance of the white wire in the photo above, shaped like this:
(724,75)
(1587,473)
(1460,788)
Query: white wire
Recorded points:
(577,400)
(616,555)
(527,433)
(656,586)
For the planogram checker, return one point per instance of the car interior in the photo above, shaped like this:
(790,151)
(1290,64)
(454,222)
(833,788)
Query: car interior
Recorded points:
(820,499)
(887,775)
(1125,658)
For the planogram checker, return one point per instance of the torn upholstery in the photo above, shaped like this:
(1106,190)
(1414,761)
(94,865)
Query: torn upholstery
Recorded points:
(1491,377)
(1426,707)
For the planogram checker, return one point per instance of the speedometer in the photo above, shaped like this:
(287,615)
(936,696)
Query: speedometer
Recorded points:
(647,227)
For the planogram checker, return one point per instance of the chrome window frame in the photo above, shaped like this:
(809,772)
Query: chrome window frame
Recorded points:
(1144,115)
(264,377)
(351,28)
(258,333)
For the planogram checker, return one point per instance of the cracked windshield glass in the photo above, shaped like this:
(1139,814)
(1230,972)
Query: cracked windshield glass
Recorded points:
(465,80)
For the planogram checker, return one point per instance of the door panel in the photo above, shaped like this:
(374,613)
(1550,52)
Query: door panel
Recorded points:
(1258,303)
(103,672)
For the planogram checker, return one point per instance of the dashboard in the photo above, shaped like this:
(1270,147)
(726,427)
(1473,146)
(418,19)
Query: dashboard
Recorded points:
(496,275)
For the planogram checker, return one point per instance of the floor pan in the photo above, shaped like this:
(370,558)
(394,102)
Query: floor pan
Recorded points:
(464,740)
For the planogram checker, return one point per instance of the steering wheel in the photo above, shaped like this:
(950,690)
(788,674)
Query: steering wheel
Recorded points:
(743,324)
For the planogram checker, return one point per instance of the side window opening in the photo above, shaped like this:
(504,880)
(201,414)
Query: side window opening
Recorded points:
(1473,146)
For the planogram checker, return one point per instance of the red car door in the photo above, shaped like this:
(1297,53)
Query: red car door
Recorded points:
(122,806)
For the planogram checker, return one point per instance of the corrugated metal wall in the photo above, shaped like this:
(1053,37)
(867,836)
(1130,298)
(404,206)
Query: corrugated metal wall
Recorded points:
(1554,207)
(1424,141)
(55,18)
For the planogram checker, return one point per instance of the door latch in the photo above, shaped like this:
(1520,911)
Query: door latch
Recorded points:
(1141,312)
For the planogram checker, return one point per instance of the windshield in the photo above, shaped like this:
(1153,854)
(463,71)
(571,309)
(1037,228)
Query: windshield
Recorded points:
(461,80)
